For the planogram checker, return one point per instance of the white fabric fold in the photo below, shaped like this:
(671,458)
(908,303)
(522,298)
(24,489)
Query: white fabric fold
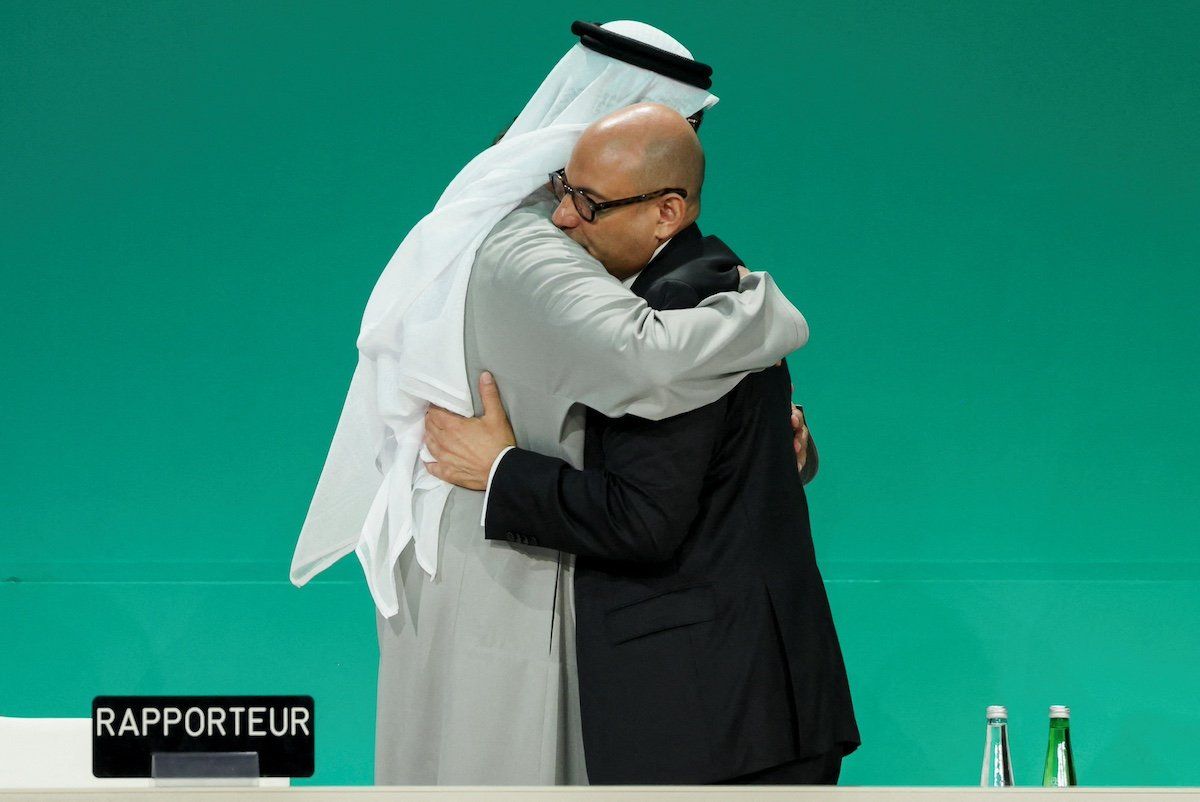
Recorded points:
(374,495)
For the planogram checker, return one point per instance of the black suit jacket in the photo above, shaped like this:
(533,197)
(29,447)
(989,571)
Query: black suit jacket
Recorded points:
(705,644)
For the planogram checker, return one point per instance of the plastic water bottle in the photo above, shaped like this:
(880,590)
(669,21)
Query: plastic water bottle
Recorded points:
(1060,763)
(997,764)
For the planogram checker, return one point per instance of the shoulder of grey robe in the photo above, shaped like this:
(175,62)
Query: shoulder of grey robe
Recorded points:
(555,319)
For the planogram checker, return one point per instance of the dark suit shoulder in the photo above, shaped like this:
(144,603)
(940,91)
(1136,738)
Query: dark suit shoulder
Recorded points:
(701,267)
(669,293)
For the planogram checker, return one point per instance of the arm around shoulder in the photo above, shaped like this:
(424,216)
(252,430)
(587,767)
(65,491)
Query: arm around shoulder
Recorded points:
(551,315)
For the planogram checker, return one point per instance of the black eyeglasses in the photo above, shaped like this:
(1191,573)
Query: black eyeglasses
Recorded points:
(588,208)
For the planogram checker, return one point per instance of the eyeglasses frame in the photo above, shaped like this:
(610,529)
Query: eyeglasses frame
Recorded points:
(596,207)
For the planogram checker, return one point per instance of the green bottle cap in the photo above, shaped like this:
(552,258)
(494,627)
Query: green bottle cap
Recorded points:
(1060,711)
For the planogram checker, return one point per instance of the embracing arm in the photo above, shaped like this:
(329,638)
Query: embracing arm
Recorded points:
(639,508)
(548,315)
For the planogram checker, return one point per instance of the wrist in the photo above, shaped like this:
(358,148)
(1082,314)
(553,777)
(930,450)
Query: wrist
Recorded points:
(491,474)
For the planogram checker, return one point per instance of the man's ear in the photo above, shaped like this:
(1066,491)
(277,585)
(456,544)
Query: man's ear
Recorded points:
(672,217)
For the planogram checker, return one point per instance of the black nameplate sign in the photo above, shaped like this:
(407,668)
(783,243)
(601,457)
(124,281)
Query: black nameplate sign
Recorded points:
(128,730)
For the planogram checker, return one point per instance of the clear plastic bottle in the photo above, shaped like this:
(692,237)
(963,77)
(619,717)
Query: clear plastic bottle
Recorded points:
(997,763)
(1060,763)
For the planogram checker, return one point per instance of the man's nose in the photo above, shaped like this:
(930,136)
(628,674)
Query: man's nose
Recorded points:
(565,215)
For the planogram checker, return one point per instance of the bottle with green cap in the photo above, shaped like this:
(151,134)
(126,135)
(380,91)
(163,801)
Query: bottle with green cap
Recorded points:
(1060,763)
(997,764)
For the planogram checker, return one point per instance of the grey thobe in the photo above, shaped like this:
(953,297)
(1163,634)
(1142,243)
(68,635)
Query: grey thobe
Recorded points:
(477,681)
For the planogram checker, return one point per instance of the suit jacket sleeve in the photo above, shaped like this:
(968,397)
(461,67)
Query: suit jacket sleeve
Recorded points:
(554,319)
(639,508)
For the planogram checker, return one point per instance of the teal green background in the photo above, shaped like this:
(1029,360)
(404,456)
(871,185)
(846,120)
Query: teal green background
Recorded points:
(989,213)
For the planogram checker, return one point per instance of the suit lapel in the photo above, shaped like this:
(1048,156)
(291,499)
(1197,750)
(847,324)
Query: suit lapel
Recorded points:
(683,247)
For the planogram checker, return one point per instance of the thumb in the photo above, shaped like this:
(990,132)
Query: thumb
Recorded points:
(490,394)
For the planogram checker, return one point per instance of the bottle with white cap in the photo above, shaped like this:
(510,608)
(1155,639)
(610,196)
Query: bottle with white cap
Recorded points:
(997,764)
(1060,763)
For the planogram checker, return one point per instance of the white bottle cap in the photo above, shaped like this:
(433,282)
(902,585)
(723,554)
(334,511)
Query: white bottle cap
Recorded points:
(1060,711)
(997,711)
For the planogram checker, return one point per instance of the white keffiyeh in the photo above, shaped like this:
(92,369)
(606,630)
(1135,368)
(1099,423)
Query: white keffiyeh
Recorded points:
(374,495)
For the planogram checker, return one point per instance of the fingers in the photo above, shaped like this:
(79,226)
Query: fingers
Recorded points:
(437,470)
(434,444)
(450,475)
(442,470)
(742,271)
(438,418)
(490,394)
(800,442)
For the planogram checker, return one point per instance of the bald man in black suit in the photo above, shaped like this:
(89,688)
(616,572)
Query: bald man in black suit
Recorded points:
(705,645)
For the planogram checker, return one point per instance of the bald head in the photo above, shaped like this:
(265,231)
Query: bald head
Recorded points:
(618,161)
(650,145)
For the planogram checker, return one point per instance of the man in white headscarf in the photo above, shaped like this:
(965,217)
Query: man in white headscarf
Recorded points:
(476,676)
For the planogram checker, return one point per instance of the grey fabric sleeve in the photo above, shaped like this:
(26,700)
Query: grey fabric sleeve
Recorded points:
(555,319)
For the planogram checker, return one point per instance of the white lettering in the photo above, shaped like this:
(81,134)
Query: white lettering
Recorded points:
(105,717)
(216,719)
(128,721)
(281,730)
(300,719)
(198,721)
(150,716)
(187,721)
(255,719)
(237,719)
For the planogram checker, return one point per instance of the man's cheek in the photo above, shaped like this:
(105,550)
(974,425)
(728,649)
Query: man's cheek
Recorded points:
(587,246)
